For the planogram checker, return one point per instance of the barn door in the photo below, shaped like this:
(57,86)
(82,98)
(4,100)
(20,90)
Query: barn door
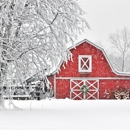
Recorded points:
(75,89)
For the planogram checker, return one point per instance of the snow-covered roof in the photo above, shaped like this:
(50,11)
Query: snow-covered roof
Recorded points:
(103,51)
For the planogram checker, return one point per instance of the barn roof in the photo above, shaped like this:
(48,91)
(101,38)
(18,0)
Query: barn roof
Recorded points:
(103,51)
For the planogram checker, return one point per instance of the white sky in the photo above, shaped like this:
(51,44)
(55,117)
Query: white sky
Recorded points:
(104,17)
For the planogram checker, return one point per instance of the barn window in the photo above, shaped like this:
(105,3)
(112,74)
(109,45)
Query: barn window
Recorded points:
(85,63)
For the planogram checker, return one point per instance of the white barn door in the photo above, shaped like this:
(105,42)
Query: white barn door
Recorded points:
(77,94)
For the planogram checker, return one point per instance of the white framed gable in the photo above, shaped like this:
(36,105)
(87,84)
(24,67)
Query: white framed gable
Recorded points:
(85,63)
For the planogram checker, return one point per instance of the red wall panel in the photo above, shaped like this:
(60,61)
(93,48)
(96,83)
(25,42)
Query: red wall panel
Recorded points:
(100,69)
(62,88)
(111,85)
(100,66)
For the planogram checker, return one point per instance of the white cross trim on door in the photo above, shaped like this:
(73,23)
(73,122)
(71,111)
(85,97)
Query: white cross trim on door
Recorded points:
(75,89)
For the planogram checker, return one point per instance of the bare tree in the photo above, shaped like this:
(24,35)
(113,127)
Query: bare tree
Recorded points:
(121,41)
(34,35)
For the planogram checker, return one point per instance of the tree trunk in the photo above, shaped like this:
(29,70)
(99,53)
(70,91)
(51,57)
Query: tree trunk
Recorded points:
(123,62)
(2,76)
(1,91)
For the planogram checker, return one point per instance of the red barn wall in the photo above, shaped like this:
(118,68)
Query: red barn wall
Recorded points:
(111,85)
(100,66)
(100,69)
(62,88)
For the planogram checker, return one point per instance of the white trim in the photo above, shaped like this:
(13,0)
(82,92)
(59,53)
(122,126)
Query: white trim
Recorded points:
(75,89)
(91,95)
(70,90)
(98,89)
(102,78)
(55,86)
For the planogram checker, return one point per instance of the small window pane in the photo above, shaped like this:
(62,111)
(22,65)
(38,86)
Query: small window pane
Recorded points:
(85,63)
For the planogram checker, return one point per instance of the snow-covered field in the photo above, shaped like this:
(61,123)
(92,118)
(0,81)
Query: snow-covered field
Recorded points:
(67,115)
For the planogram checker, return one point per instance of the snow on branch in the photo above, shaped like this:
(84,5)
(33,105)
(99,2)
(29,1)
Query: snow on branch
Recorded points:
(34,34)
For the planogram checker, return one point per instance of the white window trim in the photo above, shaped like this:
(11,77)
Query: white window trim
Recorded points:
(90,63)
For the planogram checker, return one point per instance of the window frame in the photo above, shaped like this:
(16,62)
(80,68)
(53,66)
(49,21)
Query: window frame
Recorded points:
(89,57)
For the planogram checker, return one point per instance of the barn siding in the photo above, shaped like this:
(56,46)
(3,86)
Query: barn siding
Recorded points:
(100,66)
(101,70)
(111,85)
(62,88)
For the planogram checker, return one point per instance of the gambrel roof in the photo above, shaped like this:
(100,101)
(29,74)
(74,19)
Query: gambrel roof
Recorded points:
(104,53)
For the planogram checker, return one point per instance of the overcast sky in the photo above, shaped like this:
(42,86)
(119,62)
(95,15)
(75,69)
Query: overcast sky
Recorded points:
(104,17)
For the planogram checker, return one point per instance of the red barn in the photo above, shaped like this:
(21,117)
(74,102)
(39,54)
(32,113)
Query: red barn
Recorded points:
(89,75)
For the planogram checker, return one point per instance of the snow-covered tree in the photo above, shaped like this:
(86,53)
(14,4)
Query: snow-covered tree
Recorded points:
(34,35)
(121,42)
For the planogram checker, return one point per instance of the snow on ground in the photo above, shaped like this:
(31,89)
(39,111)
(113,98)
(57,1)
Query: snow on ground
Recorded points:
(65,114)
